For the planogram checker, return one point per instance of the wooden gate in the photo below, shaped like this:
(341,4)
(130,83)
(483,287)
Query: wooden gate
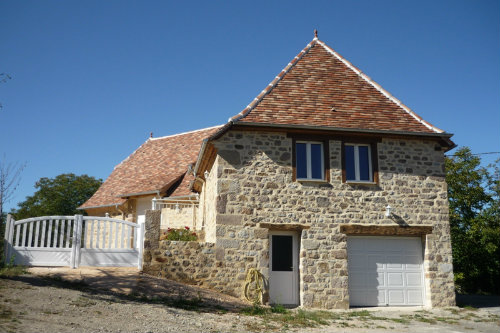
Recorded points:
(74,241)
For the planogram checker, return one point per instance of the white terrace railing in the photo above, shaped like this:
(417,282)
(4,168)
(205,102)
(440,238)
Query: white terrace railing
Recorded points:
(178,213)
(73,241)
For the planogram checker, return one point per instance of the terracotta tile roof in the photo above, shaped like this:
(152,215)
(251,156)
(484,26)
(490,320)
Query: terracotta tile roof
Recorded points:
(156,165)
(320,88)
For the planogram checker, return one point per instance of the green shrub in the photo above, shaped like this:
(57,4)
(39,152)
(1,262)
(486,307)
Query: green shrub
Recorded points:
(185,235)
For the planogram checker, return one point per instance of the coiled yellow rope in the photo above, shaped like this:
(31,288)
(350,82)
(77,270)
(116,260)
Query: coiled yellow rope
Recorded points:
(254,282)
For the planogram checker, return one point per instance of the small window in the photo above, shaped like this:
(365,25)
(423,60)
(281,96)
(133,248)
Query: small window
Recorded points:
(358,163)
(310,161)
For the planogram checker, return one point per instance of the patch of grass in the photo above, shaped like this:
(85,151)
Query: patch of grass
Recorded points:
(446,320)
(278,308)
(255,310)
(187,304)
(12,271)
(5,312)
(364,314)
(83,302)
(51,312)
(423,319)
(468,307)
(404,321)
(453,311)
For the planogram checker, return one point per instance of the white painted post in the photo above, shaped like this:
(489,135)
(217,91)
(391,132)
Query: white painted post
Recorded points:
(7,237)
(73,242)
(78,241)
(141,244)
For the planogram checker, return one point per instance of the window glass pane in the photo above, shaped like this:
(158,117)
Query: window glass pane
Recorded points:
(350,172)
(301,160)
(364,163)
(316,168)
(282,253)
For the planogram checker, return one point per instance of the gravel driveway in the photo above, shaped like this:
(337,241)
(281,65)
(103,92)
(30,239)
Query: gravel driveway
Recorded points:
(122,300)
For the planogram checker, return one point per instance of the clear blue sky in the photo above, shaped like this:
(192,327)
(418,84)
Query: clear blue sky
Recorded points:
(91,79)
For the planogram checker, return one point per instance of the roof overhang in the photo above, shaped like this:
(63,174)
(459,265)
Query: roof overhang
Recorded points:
(157,192)
(445,137)
(101,206)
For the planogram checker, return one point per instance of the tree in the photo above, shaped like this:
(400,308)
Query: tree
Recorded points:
(474,198)
(58,196)
(10,176)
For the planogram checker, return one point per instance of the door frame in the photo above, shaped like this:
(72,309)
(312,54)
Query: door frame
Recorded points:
(295,258)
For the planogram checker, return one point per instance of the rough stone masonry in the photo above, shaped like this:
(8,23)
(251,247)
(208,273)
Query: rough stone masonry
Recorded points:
(254,193)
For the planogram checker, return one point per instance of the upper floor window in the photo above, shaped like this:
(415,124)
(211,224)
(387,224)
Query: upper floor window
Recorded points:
(358,166)
(310,160)
(359,162)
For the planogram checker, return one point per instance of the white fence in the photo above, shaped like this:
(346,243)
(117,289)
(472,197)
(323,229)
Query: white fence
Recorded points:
(73,241)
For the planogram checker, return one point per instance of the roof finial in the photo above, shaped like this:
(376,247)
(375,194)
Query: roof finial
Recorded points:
(315,33)
(150,134)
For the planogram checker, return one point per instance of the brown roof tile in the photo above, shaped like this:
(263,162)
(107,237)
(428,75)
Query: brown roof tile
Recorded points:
(155,166)
(320,88)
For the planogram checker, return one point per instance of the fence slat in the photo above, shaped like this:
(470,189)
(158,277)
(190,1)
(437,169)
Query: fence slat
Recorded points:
(117,225)
(30,235)
(49,234)
(85,225)
(92,234)
(129,238)
(17,236)
(37,233)
(105,224)
(25,227)
(44,230)
(68,232)
(63,229)
(123,236)
(97,235)
(56,231)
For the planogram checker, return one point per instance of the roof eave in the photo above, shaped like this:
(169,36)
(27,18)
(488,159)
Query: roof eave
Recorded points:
(344,129)
(123,196)
(100,206)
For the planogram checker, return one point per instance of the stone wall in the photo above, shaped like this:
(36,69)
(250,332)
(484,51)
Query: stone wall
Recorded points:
(255,186)
(251,192)
(187,262)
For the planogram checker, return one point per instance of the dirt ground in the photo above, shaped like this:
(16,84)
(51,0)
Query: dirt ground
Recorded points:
(123,300)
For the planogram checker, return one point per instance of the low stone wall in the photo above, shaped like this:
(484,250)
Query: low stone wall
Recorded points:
(187,262)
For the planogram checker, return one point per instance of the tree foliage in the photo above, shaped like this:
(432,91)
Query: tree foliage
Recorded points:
(58,196)
(474,198)
(10,176)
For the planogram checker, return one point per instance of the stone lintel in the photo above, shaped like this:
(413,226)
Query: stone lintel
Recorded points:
(283,226)
(385,230)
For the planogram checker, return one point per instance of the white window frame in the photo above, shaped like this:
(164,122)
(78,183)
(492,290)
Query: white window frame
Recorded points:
(309,161)
(356,163)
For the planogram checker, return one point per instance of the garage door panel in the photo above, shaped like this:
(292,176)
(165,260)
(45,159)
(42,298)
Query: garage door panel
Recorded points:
(357,261)
(395,280)
(415,297)
(414,279)
(374,261)
(385,271)
(396,297)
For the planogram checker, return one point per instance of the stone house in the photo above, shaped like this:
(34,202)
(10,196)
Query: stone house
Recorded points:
(327,184)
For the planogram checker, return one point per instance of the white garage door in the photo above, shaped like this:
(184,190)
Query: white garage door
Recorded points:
(385,271)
